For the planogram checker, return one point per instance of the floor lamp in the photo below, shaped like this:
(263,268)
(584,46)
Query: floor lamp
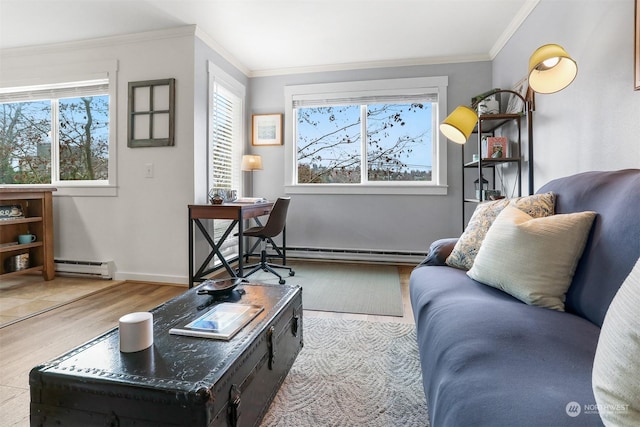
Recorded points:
(551,69)
(250,163)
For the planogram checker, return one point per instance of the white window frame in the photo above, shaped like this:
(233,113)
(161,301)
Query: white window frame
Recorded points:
(438,85)
(66,76)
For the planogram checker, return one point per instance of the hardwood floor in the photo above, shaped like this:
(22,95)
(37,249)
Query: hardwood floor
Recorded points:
(29,295)
(32,341)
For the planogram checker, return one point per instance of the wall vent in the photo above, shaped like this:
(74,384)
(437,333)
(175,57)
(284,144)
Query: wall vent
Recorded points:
(95,269)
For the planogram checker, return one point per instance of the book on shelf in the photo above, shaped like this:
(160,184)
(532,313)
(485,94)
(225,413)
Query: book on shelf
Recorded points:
(221,322)
(497,147)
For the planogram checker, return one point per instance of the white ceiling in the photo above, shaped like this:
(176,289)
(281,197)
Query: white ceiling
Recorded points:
(273,36)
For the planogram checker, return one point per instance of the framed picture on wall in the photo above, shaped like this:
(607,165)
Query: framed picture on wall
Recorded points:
(266,129)
(636,48)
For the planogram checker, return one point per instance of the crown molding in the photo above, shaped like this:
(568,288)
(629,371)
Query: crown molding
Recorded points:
(371,64)
(182,31)
(220,50)
(513,26)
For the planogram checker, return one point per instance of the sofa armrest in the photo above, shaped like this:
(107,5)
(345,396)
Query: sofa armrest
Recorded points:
(439,251)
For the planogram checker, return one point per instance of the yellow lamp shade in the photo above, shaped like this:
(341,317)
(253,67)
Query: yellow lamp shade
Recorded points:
(251,162)
(459,124)
(551,69)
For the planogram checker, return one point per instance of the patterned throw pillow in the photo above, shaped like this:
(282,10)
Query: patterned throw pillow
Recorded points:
(466,249)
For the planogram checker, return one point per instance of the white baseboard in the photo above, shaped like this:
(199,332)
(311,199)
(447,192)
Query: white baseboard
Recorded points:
(153,278)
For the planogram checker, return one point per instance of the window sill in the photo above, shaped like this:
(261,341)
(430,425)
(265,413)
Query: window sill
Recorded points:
(373,189)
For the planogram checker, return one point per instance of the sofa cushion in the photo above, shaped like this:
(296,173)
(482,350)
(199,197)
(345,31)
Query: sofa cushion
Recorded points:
(466,249)
(614,243)
(488,359)
(532,259)
(616,367)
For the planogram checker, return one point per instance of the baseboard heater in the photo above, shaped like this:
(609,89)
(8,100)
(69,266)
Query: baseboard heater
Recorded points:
(356,254)
(96,269)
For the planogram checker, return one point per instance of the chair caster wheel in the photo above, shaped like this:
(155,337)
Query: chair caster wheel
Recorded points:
(282,281)
(292,273)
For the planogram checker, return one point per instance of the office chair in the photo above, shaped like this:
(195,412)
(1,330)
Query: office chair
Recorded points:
(274,226)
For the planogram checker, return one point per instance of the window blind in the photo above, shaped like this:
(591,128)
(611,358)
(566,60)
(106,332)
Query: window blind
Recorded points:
(225,141)
(225,131)
(56,91)
(319,100)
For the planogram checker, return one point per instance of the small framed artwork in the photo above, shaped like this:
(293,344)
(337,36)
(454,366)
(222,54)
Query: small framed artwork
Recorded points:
(636,49)
(515,105)
(151,113)
(266,129)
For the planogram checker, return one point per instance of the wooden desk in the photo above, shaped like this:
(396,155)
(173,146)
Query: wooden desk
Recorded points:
(237,213)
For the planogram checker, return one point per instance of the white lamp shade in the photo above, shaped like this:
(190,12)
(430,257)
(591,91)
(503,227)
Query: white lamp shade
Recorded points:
(458,125)
(551,69)
(251,162)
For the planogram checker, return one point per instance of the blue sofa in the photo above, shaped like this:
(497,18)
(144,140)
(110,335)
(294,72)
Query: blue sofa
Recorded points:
(489,359)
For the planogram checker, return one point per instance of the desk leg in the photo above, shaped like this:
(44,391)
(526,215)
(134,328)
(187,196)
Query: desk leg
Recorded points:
(202,271)
(190,252)
(240,246)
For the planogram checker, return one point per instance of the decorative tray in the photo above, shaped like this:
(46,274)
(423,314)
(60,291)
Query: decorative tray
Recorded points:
(219,287)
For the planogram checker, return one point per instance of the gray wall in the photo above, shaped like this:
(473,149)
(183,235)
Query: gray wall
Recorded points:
(594,123)
(392,223)
(591,125)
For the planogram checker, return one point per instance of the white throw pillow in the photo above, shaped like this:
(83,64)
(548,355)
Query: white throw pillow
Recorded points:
(616,367)
(532,259)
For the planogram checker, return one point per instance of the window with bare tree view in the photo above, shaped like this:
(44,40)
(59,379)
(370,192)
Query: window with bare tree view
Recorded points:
(366,137)
(53,135)
(394,141)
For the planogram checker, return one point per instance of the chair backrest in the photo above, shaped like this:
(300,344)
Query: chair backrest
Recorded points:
(277,218)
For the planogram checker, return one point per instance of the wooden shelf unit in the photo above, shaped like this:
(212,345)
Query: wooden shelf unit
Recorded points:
(487,126)
(37,208)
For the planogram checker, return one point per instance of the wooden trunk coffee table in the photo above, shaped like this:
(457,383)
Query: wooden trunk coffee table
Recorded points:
(180,380)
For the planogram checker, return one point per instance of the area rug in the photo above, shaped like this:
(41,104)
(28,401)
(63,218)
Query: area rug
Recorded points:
(352,373)
(344,287)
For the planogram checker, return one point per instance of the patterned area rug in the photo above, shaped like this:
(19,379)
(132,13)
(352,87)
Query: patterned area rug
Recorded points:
(352,373)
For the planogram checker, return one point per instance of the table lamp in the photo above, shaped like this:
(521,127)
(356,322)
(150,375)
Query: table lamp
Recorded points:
(251,162)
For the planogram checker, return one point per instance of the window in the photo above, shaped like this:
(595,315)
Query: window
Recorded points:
(225,142)
(56,134)
(367,137)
